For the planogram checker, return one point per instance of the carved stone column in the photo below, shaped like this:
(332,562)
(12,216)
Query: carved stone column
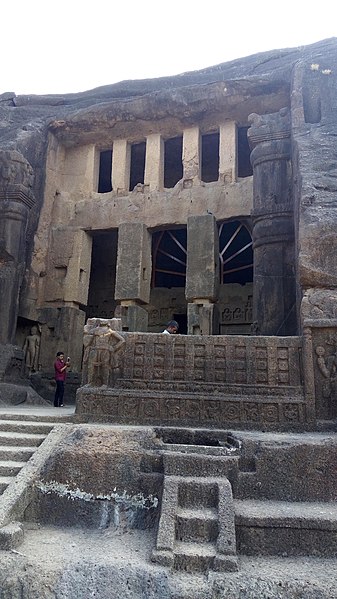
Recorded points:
(274,308)
(133,275)
(202,274)
(154,164)
(191,156)
(16,200)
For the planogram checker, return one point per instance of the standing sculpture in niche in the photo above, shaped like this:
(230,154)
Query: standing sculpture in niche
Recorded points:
(328,368)
(31,349)
(102,351)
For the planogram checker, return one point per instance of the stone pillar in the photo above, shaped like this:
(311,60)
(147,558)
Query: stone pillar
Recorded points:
(191,156)
(154,163)
(76,284)
(133,274)
(202,274)
(66,286)
(121,160)
(228,152)
(61,330)
(274,298)
(16,200)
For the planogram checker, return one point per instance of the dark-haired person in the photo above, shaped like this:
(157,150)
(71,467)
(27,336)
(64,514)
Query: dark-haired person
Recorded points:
(60,367)
(172,328)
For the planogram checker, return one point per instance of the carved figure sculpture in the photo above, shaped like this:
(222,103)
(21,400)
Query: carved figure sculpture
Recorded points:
(31,350)
(328,368)
(102,347)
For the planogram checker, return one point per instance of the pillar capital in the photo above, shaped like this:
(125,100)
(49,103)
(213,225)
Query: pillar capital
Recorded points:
(269,127)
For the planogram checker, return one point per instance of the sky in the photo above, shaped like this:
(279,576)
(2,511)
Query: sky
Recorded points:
(69,46)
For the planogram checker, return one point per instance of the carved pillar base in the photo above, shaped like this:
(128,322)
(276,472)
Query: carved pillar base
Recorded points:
(203,319)
(134,317)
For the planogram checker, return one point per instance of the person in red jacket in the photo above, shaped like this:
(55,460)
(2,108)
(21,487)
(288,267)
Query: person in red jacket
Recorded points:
(60,367)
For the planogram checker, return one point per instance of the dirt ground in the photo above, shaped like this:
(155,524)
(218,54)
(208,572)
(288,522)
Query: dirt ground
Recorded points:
(113,563)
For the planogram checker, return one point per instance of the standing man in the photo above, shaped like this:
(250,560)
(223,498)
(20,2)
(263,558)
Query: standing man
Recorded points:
(172,328)
(60,367)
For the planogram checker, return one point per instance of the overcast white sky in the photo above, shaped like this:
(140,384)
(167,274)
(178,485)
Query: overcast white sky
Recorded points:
(65,46)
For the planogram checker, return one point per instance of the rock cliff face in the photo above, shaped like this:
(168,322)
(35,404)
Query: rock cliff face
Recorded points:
(52,211)
(26,120)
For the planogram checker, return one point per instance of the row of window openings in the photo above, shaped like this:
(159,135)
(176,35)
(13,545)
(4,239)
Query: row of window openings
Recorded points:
(173,166)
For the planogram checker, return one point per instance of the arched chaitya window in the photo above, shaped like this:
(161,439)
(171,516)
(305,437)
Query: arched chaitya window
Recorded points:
(169,258)
(169,251)
(236,253)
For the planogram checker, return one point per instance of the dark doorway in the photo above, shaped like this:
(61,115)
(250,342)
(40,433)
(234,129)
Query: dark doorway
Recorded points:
(101,302)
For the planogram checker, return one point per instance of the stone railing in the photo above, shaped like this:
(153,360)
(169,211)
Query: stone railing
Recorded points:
(199,381)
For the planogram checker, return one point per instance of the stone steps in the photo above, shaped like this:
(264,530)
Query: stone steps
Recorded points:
(26,426)
(21,453)
(4,482)
(29,416)
(197,526)
(18,439)
(20,436)
(195,492)
(286,528)
(192,535)
(10,467)
(194,557)
(206,465)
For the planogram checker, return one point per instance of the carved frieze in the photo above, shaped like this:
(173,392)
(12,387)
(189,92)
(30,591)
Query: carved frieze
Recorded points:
(121,405)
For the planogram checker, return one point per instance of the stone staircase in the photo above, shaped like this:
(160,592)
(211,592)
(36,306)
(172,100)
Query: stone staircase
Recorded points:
(20,436)
(196,530)
(283,504)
